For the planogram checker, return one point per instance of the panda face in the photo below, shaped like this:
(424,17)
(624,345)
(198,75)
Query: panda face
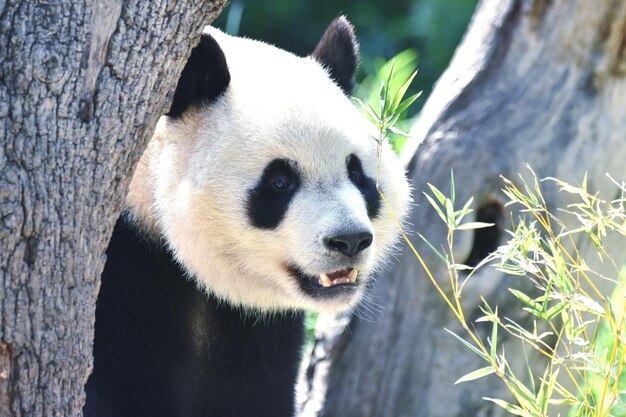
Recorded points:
(266,193)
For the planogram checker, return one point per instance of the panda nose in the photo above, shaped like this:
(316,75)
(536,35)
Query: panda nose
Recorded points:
(349,244)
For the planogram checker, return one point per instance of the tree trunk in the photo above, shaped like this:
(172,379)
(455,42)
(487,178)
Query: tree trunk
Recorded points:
(539,82)
(82,85)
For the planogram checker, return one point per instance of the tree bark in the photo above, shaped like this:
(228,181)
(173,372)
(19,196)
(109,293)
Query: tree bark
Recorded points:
(82,85)
(534,81)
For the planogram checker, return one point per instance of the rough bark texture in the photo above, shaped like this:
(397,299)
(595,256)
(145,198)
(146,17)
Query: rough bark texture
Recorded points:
(541,82)
(82,85)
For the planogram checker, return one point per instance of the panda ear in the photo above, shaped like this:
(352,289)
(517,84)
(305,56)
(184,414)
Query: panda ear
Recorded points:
(338,52)
(204,78)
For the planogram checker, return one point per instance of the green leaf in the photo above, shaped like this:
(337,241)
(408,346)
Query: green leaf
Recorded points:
(549,390)
(397,131)
(555,311)
(494,336)
(469,345)
(526,300)
(407,103)
(468,203)
(511,408)
(435,206)
(474,225)
(449,211)
(392,119)
(452,190)
(386,85)
(522,394)
(464,211)
(479,373)
(443,258)
(402,90)
(460,267)
(440,197)
(371,113)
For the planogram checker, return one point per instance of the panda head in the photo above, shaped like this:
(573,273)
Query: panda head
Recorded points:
(262,177)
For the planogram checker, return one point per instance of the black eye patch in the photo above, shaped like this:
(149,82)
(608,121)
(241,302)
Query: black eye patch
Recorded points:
(269,200)
(365,184)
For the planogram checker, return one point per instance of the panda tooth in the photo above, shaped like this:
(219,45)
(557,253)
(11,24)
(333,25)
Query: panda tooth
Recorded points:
(325,281)
(352,275)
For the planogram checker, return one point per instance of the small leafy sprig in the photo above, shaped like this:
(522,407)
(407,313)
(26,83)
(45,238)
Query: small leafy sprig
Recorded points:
(391,105)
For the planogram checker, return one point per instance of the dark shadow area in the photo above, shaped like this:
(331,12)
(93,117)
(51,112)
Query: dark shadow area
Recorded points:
(487,239)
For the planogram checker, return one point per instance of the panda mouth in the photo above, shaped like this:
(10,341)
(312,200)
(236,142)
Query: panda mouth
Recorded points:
(330,284)
(344,276)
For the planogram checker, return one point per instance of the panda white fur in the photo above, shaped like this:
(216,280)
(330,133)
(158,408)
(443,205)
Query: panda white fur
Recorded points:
(255,199)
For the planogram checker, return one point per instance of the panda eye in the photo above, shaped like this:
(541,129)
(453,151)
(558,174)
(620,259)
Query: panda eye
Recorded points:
(280,182)
(355,171)
(355,176)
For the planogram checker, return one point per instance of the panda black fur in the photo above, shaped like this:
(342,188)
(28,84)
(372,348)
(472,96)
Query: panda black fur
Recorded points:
(255,199)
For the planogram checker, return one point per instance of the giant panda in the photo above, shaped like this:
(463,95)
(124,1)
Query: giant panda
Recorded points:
(255,200)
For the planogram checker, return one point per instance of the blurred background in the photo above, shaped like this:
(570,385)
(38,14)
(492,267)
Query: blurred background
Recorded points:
(424,32)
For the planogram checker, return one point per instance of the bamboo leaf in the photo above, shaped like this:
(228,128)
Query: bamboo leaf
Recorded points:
(402,90)
(469,345)
(397,131)
(526,300)
(435,206)
(438,194)
(494,336)
(385,93)
(371,113)
(474,225)
(479,373)
(452,190)
(511,408)
(439,255)
(449,212)
(407,103)
(460,267)
(555,311)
